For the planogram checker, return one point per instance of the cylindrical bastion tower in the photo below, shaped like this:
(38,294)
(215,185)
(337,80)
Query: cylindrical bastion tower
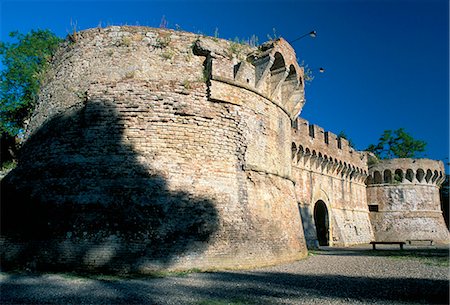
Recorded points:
(404,203)
(157,149)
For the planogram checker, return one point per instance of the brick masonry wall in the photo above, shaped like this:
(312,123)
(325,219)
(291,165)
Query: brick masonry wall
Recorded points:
(326,169)
(156,149)
(134,162)
(406,195)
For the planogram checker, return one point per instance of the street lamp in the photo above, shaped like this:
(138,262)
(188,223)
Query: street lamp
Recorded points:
(312,34)
(309,73)
(320,70)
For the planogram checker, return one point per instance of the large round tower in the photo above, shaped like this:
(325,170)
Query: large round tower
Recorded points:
(152,148)
(404,203)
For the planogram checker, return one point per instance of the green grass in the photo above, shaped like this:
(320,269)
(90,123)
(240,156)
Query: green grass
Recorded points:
(224,302)
(8,165)
(428,257)
(434,257)
(84,276)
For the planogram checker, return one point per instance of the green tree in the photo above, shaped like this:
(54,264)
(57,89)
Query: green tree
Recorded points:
(397,144)
(24,64)
(343,135)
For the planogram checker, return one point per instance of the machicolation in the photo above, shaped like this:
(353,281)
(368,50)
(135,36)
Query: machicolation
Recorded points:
(403,196)
(157,149)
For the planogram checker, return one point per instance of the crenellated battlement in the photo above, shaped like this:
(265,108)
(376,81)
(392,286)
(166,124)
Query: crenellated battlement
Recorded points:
(403,199)
(323,151)
(406,171)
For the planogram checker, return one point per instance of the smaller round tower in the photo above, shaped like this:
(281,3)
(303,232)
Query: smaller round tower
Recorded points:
(403,199)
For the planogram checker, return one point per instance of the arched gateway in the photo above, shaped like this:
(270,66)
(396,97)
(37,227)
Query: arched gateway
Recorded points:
(322,223)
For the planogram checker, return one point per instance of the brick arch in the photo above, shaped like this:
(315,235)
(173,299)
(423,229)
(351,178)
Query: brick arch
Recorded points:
(278,62)
(293,150)
(369,180)
(291,83)
(353,172)
(398,175)
(409,175)
(435,176)
(420,174)
(278,72)
(377,179)
(428,175)
(387,176)
(360,173)
(344,169)
(300,149)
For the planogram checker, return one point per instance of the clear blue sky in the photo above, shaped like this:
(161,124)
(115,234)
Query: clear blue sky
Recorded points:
(386,61)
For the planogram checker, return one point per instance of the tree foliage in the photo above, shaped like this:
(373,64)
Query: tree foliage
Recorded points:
(343,135)
(397,144)
(24,64)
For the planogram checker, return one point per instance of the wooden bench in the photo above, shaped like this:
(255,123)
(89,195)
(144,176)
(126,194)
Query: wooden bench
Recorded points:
(411,241)
(401,243)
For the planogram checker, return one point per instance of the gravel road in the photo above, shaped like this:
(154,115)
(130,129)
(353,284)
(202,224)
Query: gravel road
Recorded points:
(329,276)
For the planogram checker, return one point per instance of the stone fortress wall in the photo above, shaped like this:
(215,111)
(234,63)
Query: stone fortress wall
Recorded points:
(158,149)
(330,173)
(152,149)
(403,199)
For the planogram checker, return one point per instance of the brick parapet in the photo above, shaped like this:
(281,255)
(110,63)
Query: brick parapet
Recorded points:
(405,171)
(322,151)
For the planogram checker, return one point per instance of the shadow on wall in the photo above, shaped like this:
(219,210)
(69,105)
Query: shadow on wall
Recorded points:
(80,199)
(309,228)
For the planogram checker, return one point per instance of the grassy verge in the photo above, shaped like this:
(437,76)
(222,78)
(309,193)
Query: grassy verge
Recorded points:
(109,277)
(224,302)
(434,257)
(429,257)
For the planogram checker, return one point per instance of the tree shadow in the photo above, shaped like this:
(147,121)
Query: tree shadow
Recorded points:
(228,287)
(80,199)
(275,285)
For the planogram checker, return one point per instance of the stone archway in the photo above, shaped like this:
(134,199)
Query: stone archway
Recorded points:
(321,220)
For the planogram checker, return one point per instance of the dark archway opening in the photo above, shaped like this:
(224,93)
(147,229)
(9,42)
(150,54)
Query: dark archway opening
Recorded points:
(321,221)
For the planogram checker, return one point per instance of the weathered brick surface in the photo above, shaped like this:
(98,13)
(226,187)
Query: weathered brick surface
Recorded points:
(326,169)
(159,149)
(406,193)
(135,160)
